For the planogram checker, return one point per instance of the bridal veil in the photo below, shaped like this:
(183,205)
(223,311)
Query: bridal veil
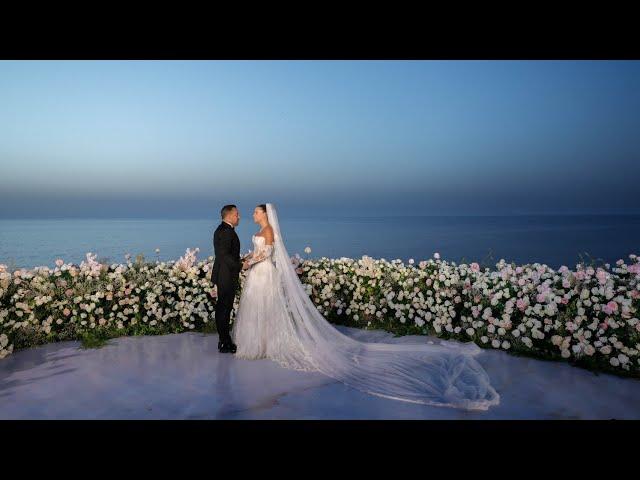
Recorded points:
(443,374)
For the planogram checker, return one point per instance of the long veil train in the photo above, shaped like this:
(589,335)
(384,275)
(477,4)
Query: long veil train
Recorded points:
(443,374)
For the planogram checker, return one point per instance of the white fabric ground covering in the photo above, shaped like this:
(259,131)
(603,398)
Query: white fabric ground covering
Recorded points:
(183,376)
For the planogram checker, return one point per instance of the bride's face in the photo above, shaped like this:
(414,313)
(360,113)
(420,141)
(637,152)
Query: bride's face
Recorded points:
(258,215)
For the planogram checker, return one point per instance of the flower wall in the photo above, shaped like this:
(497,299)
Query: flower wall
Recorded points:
(588,316)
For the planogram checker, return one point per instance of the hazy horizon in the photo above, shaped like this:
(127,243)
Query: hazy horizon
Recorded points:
(178,139)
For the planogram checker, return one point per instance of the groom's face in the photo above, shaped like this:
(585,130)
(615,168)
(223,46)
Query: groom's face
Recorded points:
(234,217)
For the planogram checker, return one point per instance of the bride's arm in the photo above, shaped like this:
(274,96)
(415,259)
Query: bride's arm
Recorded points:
(266,251)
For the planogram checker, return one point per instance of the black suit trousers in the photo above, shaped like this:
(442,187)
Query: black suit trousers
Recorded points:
(224,306)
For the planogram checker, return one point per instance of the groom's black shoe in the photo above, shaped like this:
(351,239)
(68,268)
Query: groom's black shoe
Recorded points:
(226,347)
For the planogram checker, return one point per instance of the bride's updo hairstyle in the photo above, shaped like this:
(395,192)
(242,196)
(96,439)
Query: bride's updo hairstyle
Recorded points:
(263,207)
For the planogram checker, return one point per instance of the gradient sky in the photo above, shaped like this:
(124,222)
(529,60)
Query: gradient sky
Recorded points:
(180,138)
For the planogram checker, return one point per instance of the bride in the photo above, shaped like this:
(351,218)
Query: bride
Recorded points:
(276,319)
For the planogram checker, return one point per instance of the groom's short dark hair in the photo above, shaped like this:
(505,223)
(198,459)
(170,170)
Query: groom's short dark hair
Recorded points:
(226,209)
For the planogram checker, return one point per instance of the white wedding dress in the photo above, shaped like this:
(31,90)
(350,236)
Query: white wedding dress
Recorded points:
(276,319)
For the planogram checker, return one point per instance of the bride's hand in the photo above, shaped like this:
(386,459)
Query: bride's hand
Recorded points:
(245,265)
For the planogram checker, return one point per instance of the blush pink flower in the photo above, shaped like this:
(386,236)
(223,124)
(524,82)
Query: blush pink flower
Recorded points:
(521,304)
(635,268)
(601,276)
(59,262)
(475,267)
(66,312)
(610,307)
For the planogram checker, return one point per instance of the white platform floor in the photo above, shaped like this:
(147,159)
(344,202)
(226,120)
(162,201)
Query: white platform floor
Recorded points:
(182,376)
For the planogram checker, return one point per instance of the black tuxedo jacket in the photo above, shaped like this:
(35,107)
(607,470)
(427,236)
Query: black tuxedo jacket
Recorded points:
(227,264)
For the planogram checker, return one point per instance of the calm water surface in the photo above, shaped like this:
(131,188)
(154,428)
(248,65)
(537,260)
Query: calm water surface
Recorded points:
(554,240)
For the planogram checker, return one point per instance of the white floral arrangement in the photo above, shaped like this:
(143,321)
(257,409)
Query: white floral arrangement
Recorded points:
(587,316)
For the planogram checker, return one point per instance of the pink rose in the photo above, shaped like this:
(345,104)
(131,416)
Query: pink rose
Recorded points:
(475,267)
(601,276)
(59,262)
(66,312)
(635,268)
(564,300)
(610,307)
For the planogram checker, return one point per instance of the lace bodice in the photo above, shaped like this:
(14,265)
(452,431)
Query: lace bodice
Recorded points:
(261,251)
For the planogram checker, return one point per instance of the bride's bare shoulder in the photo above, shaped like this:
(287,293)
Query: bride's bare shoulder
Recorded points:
(267,232)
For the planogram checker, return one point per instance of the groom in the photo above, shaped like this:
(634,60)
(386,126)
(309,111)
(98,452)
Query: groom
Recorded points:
(226,268)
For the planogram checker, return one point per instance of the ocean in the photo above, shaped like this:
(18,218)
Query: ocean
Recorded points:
(555,240)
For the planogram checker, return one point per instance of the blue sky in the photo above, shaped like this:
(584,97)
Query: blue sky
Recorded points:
(180,138)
